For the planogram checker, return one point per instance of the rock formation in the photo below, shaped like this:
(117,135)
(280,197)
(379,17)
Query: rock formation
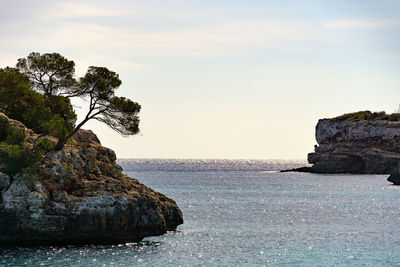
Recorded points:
(395,175)
(80,196)
(356,146)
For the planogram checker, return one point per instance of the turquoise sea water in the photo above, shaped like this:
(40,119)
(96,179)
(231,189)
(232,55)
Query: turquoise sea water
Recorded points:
(244,213)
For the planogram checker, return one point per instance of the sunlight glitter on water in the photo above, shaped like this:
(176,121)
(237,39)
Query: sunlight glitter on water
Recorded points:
(251,217)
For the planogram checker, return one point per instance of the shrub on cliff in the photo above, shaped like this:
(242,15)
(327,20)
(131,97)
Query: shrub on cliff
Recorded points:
(44,145)
(14,158)
(367,115)
(46,115)
(17,159)
(43,114)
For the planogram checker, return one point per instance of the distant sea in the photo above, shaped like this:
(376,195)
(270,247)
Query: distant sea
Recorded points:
(246,213)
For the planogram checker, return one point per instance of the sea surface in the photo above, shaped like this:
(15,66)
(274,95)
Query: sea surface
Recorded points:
(246,213)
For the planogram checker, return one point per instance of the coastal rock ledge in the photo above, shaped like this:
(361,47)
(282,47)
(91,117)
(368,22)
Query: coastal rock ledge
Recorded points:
(356,146)
(80,196)
(395,175)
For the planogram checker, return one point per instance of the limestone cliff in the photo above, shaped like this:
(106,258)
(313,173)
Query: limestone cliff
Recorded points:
(80,196)
(356,146)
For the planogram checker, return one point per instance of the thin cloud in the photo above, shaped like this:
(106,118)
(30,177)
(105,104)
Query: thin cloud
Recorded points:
(361,24)
(222,39)
(73,10)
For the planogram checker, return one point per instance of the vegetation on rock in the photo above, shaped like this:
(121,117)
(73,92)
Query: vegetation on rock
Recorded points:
(53,76)
(76,194)
(14,157)
(44,115)
(368,115)
(37,93)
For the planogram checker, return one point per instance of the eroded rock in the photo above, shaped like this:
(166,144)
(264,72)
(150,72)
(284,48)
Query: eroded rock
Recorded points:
(363,146)
(81,196)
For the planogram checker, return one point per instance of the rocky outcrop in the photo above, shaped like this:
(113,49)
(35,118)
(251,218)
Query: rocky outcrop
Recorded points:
(80,196)
(362,146)
(395,176)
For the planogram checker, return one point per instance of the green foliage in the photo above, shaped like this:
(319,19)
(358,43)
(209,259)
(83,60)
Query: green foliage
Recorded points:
(9,134)
(99,81)
(50,111)
(15,137)
(46,114)
(368,115)
(5,129)
(12,78)
(13,157)
(52,74)
(44,145)
(119,113)
(16,159)
(46,122)
(62,106)
(122,116)
(51,115)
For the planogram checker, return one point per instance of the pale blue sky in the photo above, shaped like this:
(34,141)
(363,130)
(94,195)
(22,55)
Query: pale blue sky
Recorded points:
(221,79)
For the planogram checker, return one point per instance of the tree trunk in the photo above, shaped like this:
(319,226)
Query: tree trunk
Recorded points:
(62,141)
(60,144)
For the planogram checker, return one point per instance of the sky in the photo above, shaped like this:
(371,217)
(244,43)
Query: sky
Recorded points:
(225,79)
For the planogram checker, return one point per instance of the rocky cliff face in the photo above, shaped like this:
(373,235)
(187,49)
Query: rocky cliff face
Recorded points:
(80,196)
(364,146)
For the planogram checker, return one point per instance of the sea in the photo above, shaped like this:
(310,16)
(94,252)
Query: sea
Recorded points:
(247,213)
